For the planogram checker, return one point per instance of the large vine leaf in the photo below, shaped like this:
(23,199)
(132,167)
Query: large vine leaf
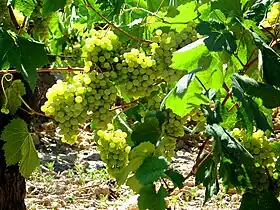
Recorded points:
(269,95)
(150,199)
(207,174)
(25,6)
(249,109)
(218,38)
(151,169)
(147,131)
(50,6)
(19,147)
(192,98)
(25,54)
(264,200)
(230,147)
(137,156)
(229,8)
(186,59)
(270,62)
(233,175)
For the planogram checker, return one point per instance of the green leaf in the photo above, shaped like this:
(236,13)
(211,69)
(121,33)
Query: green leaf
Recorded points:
(269,95)
(177,178)
(13,92)
(207,174)
(218,38)
(134,184)
(229,8)
(264,200)
(150,199)
(147,131)
(249,110)
(270,62)
(192,98)
(229,119)
(151,169)
(50,6)
(186,59)
(136,156)
(230,147)
(25,6)
(19,147)
(233,175)
(26,55)
(183,84)
(154,5)
(213,116)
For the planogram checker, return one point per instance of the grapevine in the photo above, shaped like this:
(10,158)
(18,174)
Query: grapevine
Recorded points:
(141,77)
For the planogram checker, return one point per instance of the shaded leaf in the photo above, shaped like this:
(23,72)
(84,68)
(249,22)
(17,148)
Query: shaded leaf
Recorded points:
(264,200)
(50,6)
(147,131)
(151,169)
(150,199)
(177,178)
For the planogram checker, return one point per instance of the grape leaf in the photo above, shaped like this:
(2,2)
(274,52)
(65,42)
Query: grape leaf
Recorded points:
(230,147)
(249,110)
(26,55)
(151,169)
(233,175)
(25,6)
(154,5)
(218,38)
(186,59)
(229,8)
(147,131)
(14,102)
(269,95)
(265,200)
(136,156)
(192,98)
(207,174)
(150,199)
(19,147)
(177,178)
(50,6)
(133,183)
(270,62)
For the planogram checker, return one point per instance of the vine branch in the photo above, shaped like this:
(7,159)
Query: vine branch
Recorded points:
(88,5)
(45,70)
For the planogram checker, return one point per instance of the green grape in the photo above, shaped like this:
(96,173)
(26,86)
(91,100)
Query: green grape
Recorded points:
(116,157)
(166,147)
(170,128)
(40,21)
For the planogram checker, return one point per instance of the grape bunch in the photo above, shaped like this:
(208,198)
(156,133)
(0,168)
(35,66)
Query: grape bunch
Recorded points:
(40,23)
(113,148)
(165,44)
(174,124)
(166,147)
(101,51)
(4,12)
(263,154)
(80,98)
(272,17)
(257,145)
(137,74)
(73,54)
